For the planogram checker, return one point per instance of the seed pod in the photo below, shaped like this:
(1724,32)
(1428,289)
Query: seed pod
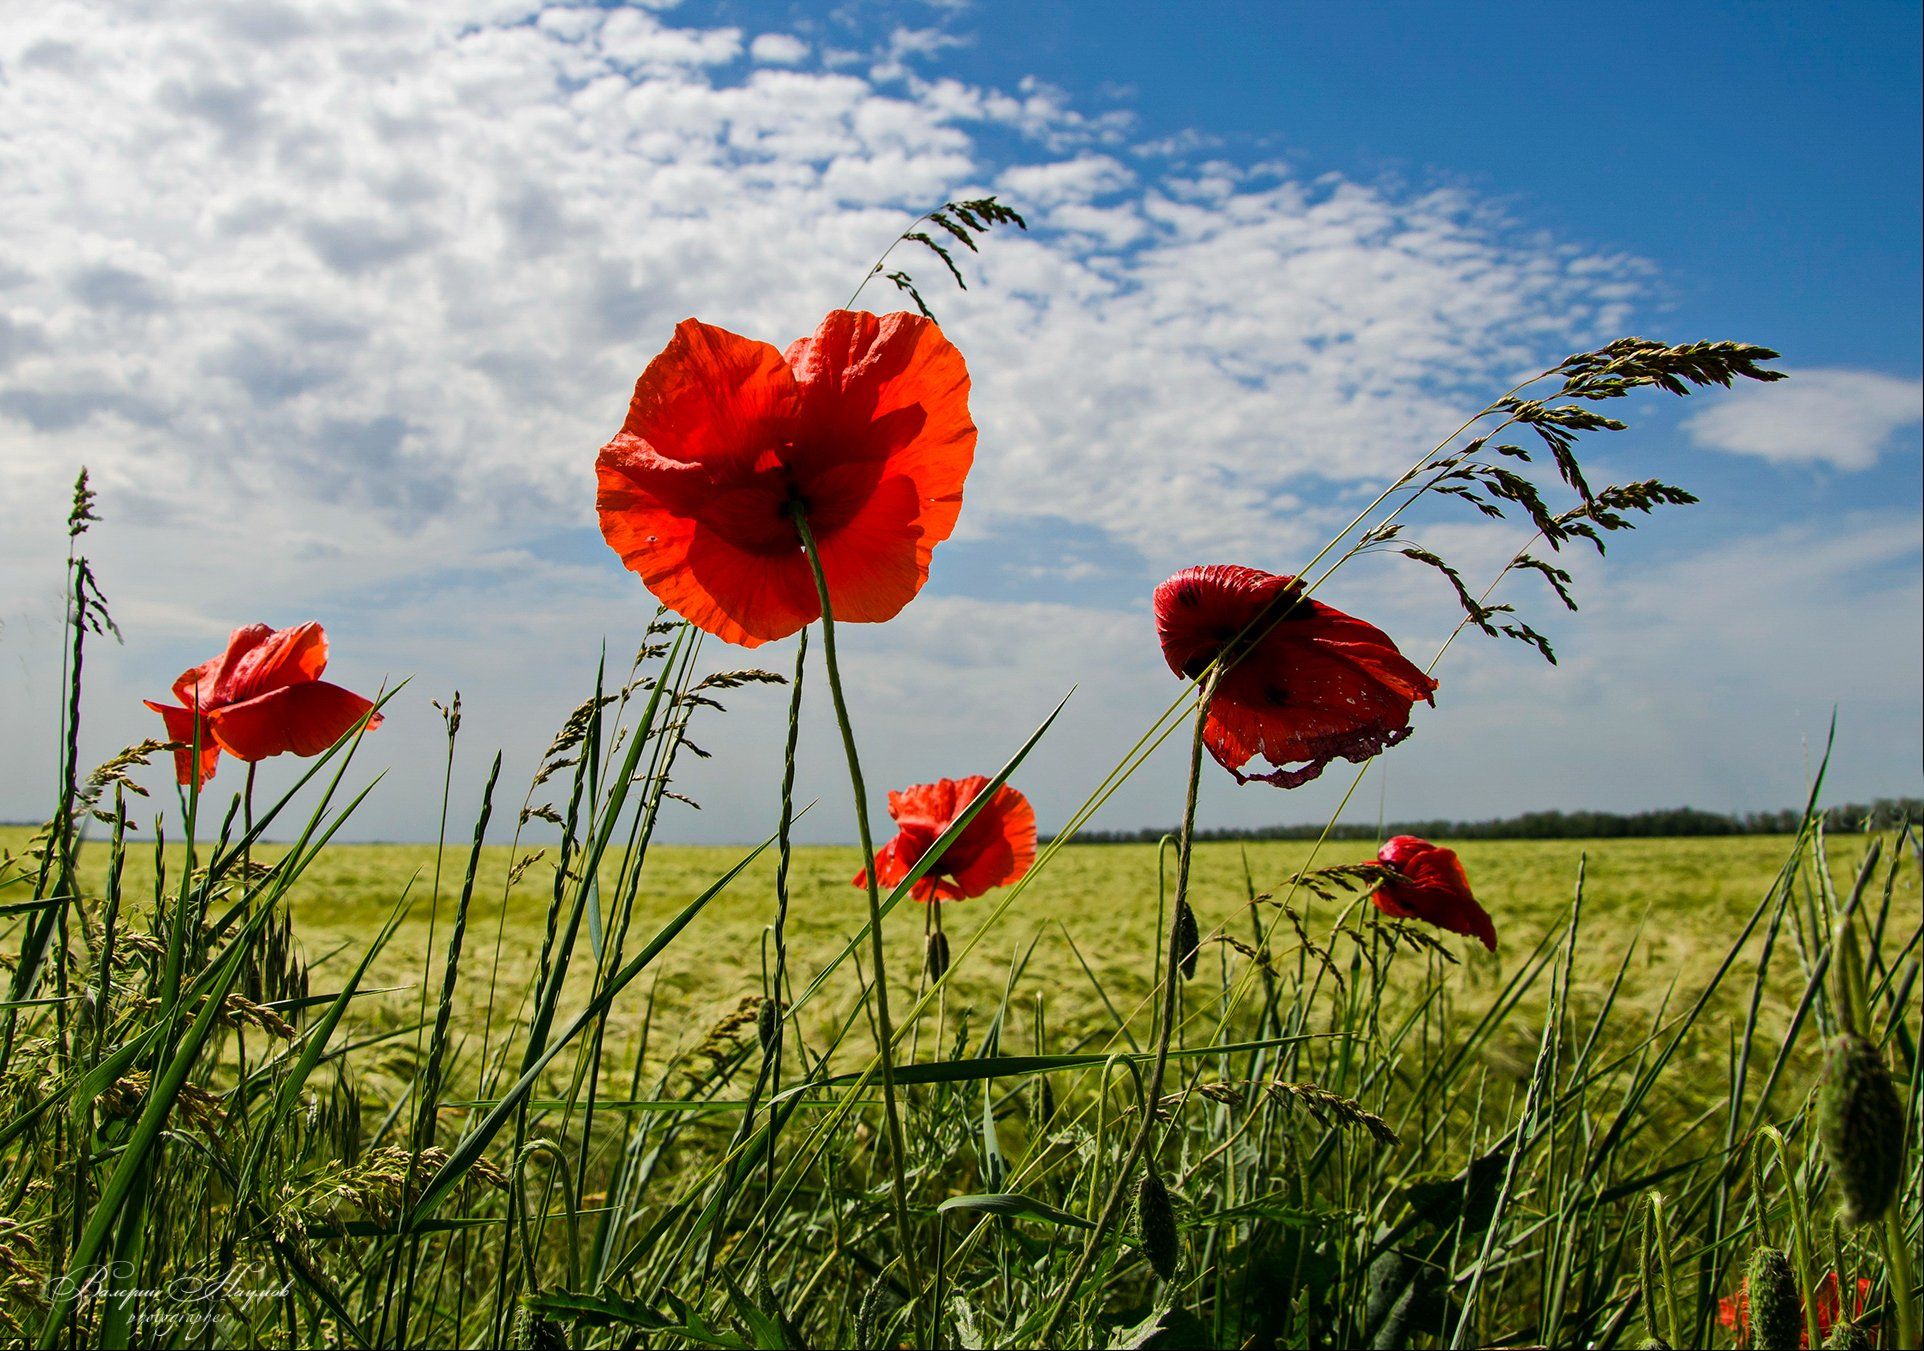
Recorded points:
(1776,1313)
(1847,1334)
(938,954)
(1187,938)
(1861,1124)
(1156,1225)
(768,1022)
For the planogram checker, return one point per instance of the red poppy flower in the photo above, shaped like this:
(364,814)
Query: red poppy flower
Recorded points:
(865,425)
(1733,1311)
(1430,886)
(262,696)
(994,850)
(1309,682)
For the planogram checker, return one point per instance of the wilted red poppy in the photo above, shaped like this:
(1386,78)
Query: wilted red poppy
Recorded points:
(1309,683)
(1733,1311)
(262,696)
(994,850)
(1430,886)
(865,425)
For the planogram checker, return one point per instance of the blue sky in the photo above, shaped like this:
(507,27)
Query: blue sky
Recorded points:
(338,298)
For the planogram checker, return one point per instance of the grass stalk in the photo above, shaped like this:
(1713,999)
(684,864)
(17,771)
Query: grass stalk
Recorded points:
(898,1149)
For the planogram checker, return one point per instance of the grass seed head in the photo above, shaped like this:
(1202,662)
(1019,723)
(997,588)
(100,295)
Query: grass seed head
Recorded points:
(1861,1124)
(1776,1312)
(869,1316)
(1156,1225)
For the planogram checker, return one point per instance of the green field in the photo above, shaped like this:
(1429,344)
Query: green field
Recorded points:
(1688,897)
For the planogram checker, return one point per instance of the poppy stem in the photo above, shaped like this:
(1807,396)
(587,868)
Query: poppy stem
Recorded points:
(885,1031)
(247,831)
(1169,965)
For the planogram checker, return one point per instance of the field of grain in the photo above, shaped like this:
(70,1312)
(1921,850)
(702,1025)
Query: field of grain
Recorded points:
(1671,906)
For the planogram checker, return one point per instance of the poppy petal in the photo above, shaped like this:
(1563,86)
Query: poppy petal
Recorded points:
(195,686)
(999,845)
(876,562)
(996,848)
(180,727)
(894,388)
(1431,886)
(863,426)
(276,659)
(305,719)
(738,595)
(712,397)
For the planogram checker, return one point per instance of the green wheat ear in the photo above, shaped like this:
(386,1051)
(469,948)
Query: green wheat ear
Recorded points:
(1156,1224)
(1861,1124)
(1776,1312)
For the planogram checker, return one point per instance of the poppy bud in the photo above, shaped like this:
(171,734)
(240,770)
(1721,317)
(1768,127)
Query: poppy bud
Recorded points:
(768,1022)
(1048,1103)
(1861,1124)
(1776,1312)
(1847,1334)
(538,1333)
(1187,939)
(938,955)
(1156,1225)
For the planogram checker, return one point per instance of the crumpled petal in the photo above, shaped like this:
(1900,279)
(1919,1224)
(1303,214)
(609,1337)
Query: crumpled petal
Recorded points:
(1300,683)
(1431,886)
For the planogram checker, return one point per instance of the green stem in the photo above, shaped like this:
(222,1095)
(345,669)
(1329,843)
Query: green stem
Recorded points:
(885,1030)
(782,857)
(1807,1274)
(1897,1262)
(1168,963)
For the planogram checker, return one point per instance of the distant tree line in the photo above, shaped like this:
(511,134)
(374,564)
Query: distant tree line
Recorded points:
(1885,813)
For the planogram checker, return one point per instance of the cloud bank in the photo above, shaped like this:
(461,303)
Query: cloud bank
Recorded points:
(338,299)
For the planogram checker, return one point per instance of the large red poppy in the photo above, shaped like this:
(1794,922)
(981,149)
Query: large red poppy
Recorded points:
(1430,885)
(865,425)
(264,695)
(1302,681)
(993,850)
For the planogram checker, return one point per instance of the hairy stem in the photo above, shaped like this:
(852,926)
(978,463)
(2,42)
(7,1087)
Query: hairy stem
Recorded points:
(1168,963)
(885,1031)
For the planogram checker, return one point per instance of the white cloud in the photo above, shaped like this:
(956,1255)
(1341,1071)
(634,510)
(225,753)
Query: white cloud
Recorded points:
(1846,419)
(338,300)
(778,49)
